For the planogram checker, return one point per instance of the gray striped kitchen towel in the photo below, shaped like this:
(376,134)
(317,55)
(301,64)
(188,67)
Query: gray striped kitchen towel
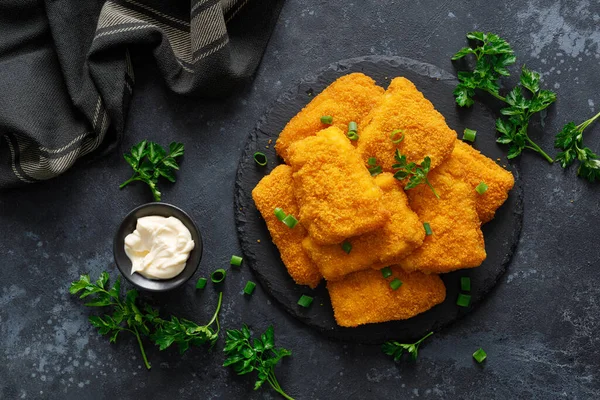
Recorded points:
(66,75)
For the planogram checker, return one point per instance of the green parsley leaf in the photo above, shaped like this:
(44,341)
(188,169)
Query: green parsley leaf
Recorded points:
(175,149)
(82,283)
(396,350)
(464,94)
(171,163)
(184,332)
(566,140)
(570,141)
(416,174)
(530,80)
(246,355)
(150,162)
(462,52)
(166,172)
(155,153)
(475,35)
(138,151)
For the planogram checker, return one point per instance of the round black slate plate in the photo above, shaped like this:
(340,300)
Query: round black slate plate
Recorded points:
(501,234)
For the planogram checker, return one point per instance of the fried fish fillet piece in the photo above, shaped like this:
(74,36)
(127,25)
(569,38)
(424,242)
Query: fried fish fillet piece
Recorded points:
(277,190)
(405,108)
(472,167)
(337,195)
(365,297)
(400,235)
(457,240)
(349,98)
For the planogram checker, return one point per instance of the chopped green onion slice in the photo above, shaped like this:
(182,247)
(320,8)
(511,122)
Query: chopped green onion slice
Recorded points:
(327,119)
(305,301)
(352,135)
(372,161)
(290,221)
(395,283)
(347,247)
(463,300)
(218,275)
(480,355)
(374,171)
(469,135)
(260,158)
(353,126)
(280,214)
(427,227)
(249,287)
(394,136)
(465,284)
(386,272)
(481,188)
(236,260)
(201,283)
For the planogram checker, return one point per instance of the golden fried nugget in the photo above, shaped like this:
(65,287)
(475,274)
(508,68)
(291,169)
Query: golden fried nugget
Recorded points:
(457,240)
(400,235)
(337,196)
(424,129)
(472,167)
(276,190)
(349,98)
(365,297)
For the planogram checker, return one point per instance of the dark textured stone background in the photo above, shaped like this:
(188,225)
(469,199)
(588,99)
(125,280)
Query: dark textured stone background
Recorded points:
(539,326)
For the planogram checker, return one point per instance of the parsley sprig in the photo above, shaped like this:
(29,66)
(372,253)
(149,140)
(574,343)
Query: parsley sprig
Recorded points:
(126,314)
(570,141)
(184,332)
(260,355)
(395,349)
(519,111)
(416,174)
(493,57)
(150,161)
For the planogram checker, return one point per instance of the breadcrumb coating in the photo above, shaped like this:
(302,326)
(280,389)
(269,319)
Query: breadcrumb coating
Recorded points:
(400,235)
(349,98)
(365,297)
(277,190)
(424,129)
(457,240)
(337,196)
(472,167)
(328,187)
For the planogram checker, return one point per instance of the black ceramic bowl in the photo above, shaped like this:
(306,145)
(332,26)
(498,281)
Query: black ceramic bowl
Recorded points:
(128,225)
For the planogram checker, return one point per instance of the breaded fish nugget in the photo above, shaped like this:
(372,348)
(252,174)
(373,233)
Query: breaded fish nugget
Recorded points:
(337,196)
(277,190)
(349,98)
(472,167)
(365,297)
(457,240)
(400,235)
(424,129)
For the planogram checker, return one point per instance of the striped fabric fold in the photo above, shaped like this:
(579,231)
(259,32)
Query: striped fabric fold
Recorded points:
(85,76)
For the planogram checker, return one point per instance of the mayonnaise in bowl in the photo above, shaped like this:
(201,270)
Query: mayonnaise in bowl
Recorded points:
(159,247)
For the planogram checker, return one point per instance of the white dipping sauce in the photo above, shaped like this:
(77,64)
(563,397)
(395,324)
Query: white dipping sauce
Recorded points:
(159,247)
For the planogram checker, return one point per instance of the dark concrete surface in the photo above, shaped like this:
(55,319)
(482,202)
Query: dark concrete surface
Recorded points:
(540,326)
